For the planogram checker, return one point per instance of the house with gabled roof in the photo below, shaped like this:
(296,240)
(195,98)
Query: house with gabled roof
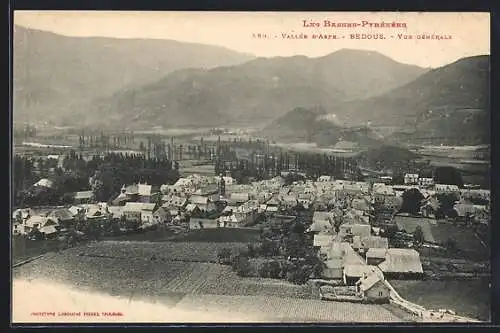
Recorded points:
(375,256)
(323,240)
(141,210)
(363,243)
(83,197)
(44,224)
(144,192)
(238,198)
(322,222)
(353,272)
(203,203)
(372,288)
(162,215)
(401,263)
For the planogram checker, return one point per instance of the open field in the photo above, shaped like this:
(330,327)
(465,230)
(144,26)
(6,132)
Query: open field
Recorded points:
(467,298)
(23,249)
(142,276)
(272,309)
(184,309)
(229,235)
(127,269)
(468,244)
(177,251)
(158,235)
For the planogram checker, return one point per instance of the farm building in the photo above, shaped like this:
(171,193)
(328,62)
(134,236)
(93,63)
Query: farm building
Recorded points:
(353,272)
(375,256)
(199,223)
(366,242)
(401,263)
(372,288)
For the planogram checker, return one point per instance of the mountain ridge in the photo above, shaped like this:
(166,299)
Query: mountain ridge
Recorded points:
(56,74)
(257,91)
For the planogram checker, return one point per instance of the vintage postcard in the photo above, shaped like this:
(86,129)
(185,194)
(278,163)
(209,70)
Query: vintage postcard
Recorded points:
(250,167)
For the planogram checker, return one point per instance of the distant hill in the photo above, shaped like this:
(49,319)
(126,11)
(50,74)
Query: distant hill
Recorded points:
(256,92)
(315,125)
(445,102)
(55,76)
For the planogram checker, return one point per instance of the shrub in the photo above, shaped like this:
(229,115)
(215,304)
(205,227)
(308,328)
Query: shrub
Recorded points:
(224,256)
(241,265)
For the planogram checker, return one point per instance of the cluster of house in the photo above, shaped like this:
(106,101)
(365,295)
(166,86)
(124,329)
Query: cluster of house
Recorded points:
(218,201)
(356,256)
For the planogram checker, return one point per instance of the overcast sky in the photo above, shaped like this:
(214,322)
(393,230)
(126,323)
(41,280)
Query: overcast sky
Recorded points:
(470,32)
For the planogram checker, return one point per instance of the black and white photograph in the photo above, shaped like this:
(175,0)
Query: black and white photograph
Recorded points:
(250,167)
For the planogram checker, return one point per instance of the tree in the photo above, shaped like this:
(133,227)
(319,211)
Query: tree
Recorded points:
(448,175)
(274,269)
(446,204)
(264,270)
(224,255)
(451,244)
(418,235)
(412,201)
(241,266)
(297,274)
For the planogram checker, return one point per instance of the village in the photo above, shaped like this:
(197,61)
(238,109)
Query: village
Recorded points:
(346,238)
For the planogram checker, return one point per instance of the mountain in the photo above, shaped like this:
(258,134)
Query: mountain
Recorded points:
(55,76)
(315,125)
(256,92)
(448,102)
